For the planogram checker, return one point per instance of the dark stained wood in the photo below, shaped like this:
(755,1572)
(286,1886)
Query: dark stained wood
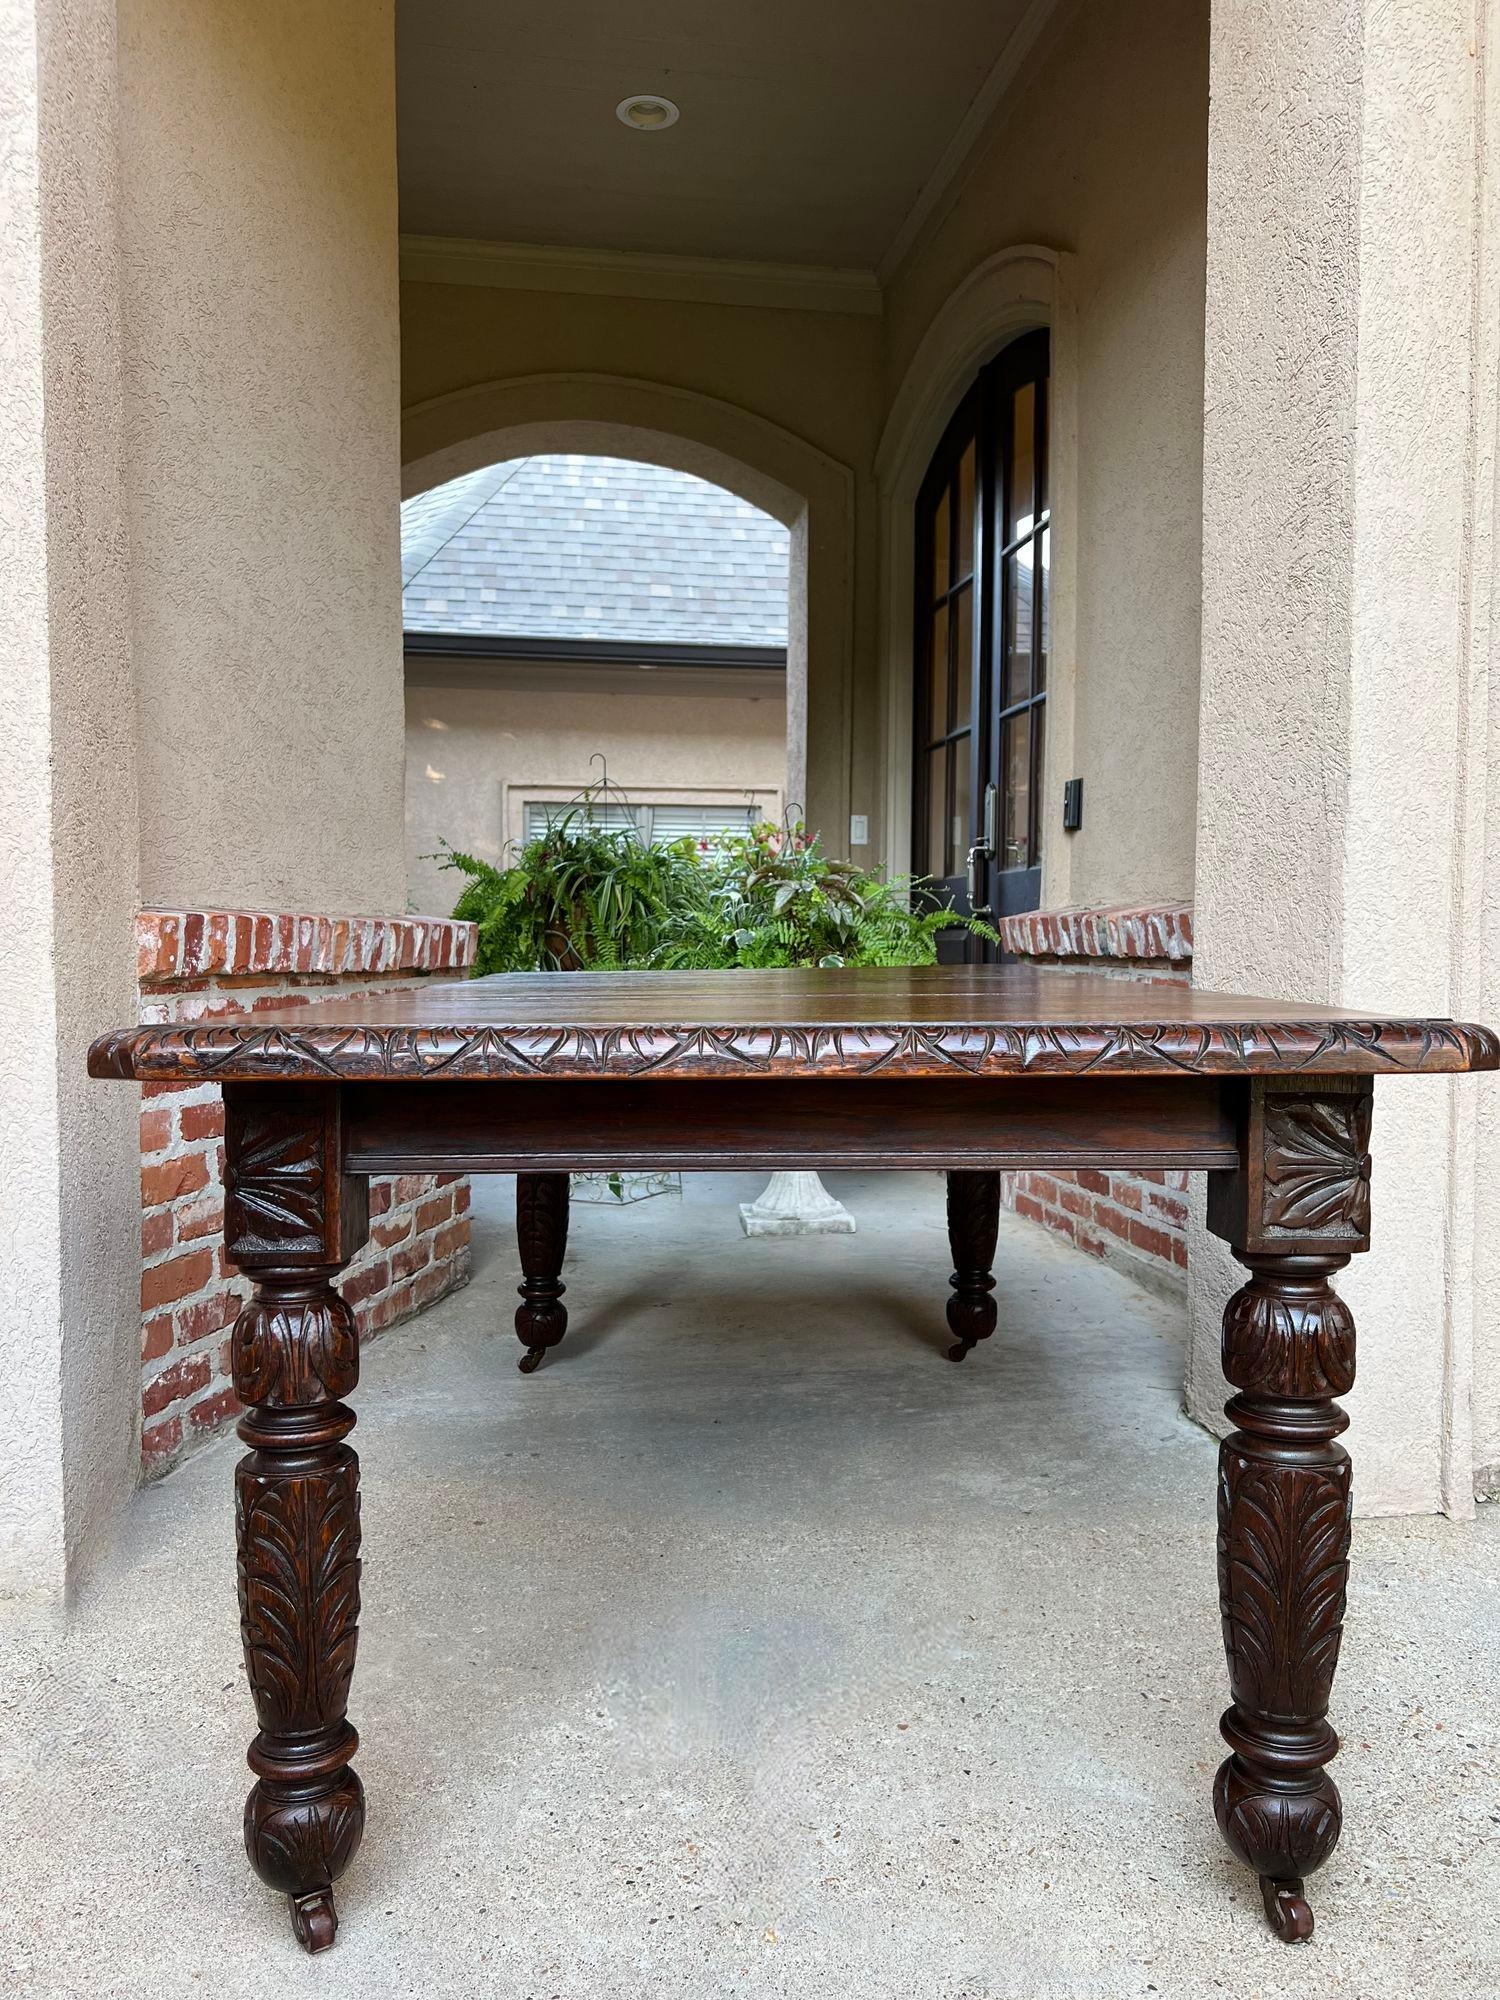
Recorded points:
(966,1068)
(938,1122)
(542,1234)
(924,1021)
(1305,1181)
(1295,1210)
(973,1224)
(292,1220)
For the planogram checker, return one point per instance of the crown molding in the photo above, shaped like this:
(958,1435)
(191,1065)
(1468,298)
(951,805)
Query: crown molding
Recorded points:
(716,281)
(957,159)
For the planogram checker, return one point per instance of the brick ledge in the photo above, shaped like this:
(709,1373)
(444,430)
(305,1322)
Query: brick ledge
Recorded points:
(177,945)
(1141,933)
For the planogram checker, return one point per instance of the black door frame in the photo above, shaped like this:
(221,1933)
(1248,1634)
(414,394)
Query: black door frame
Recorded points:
(974,877)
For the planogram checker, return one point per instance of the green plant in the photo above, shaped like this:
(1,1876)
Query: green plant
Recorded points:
(580,895)
(588,897)
(774,899)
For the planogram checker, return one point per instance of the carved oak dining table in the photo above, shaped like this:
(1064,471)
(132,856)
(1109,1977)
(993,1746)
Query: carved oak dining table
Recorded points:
(970,1070)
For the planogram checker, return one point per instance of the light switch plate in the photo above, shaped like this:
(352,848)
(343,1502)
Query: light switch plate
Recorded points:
(859,829)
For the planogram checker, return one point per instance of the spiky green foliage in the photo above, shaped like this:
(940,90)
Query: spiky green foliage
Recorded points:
(580,895)
(586,897)
(775,900)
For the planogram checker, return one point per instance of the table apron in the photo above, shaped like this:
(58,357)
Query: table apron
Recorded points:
(747,1124)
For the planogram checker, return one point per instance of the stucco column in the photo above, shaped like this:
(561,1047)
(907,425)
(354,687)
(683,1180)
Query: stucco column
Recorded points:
(1342,751)
(200,574)
(262,396)
(69,1216)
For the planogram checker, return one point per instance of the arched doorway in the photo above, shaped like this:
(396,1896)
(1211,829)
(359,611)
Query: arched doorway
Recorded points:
(583,630)
(981,568)
(1014,293)
(772,468)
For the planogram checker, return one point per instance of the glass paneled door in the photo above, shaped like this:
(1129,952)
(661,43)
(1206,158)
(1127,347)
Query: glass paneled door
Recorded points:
(983,557)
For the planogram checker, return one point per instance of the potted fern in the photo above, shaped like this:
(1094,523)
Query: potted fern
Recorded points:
(583,896)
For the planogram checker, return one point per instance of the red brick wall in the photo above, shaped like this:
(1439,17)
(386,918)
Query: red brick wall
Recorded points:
(1137,1221)
(1123,1216)
(196,964)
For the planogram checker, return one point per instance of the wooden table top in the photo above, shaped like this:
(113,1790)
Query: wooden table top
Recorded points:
(923,1021)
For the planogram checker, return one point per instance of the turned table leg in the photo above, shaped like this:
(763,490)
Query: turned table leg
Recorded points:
(297,1515)
(973,1224)
(1294,1211)
(292,1219)
(1283,1565)
(542,1233)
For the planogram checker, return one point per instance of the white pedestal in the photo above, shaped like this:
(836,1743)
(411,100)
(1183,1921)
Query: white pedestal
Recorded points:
(795,1205)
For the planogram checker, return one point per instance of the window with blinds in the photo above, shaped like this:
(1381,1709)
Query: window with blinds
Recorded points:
(652,824)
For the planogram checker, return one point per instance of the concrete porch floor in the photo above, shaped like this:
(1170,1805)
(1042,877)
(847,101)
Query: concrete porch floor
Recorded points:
(750,1649)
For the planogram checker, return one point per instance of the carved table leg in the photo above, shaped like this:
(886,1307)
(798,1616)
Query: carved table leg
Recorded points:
(973,1224)
(542,1231)
(1283,1565)
(297,1513)
(292,1220)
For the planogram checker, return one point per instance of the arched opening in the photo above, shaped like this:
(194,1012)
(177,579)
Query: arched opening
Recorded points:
(771,468)
(572,617)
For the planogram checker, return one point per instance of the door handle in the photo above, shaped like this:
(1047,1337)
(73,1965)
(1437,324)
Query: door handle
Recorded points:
(971,870)
(991,802)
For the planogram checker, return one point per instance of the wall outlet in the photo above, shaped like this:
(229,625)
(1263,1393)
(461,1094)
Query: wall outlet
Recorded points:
(859,829)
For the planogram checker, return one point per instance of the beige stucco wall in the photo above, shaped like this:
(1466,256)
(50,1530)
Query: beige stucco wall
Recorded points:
(1099,151)
(69,1242)
(465,746)
(199,420)
(1346,847)
(794,395)
(1476,988)
(261,380)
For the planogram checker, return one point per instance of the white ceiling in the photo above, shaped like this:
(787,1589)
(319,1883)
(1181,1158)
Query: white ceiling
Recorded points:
(809,128)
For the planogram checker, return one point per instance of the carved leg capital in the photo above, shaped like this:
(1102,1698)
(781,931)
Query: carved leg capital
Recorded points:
(1284,1504)
(973,1225)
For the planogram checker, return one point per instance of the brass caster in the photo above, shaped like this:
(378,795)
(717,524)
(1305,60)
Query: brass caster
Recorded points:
(958,1350)
(1287,1909)
(531,1360)
(315,1920)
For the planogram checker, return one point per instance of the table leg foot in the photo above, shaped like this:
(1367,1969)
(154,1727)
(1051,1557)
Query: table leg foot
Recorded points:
(315,1920)
(1287,1909)
(300,1838)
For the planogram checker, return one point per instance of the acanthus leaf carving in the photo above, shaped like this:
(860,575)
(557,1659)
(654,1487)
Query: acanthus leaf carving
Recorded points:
(299,1571)
(1289,1340)
(1283,1571)
(292,1351)
(275,1178)
(1317,1165)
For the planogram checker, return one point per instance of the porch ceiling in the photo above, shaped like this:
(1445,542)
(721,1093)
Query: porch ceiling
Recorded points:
(808,133)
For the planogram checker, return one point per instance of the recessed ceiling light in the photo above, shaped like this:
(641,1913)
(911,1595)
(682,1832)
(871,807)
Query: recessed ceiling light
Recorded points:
(647,114)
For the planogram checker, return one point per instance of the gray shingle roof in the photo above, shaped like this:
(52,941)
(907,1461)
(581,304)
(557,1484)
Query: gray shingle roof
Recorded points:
(569,547)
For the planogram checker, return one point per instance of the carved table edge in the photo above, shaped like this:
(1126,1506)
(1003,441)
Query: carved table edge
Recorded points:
(249,1052)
